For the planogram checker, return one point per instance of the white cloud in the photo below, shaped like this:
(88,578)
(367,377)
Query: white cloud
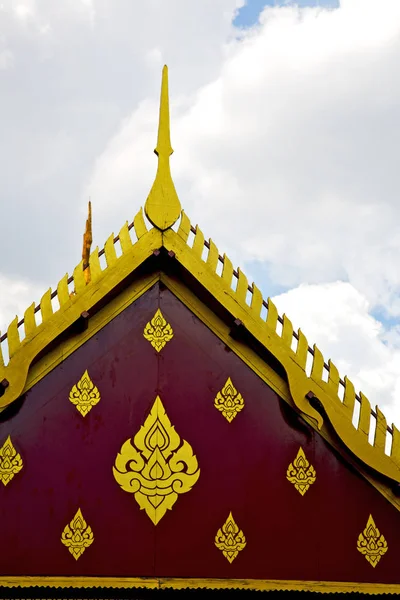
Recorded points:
(336,317)
(19,295)
(6,59)
(23,10)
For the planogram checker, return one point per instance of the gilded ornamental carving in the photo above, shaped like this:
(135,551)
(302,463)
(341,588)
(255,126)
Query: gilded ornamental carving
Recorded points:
(230,539)
(229,401)
(158,332)
(77,535)
(84,394)
(372,543)
(10,462)
(157,465)
(301,473)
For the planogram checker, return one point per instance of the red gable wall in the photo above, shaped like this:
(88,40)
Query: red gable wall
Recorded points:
(68,462)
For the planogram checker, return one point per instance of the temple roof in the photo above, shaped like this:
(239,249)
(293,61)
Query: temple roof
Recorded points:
(325,400)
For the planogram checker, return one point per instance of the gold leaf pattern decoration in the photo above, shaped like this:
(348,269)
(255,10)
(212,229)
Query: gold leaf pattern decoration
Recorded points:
(230,539)
(10,461)
(229,401)
(156,466)
(372,543)
(84,394)
(77,536)
(301,473)
(158,332)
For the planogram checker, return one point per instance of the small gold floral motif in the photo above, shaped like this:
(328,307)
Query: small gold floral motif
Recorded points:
(371,543)
(301,473)
(157,465)
(77,536)
(158,332)
(84,394)
(230,539)
(229,401)
(10,461)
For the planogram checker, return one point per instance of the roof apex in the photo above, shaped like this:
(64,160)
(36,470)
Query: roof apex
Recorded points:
(78,295)
(162,206)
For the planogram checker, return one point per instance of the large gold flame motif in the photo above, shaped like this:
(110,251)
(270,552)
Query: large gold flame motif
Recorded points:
(157,465)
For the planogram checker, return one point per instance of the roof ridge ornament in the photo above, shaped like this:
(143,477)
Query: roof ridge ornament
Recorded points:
(162,206)
(87,244)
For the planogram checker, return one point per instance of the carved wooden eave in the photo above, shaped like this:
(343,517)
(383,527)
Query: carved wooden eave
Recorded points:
(324,400)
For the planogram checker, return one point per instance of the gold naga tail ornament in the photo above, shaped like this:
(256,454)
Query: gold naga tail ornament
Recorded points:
(162,206)
(157,465)
(87,244)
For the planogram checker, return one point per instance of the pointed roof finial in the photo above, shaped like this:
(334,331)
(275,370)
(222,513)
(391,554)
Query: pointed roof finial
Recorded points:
(162,206)
(87,244)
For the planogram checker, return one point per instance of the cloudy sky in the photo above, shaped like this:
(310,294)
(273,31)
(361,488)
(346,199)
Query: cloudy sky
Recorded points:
(286,130)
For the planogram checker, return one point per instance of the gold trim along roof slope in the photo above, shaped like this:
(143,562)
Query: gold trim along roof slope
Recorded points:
(74,297)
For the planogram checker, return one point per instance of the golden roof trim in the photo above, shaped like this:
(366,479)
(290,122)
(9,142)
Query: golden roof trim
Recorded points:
(244,303)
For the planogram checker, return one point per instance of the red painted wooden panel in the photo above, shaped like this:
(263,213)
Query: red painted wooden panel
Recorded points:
(68,464)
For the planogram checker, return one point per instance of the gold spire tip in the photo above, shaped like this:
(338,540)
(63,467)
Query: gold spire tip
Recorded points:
(164,136)
(162,206)
(87,243)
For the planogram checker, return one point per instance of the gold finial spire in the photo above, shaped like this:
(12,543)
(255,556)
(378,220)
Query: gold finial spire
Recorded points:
(87,243)
(162,206)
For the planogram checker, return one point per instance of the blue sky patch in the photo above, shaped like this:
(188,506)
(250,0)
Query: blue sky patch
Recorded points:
(258,272)
(380,314)
(248,14)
